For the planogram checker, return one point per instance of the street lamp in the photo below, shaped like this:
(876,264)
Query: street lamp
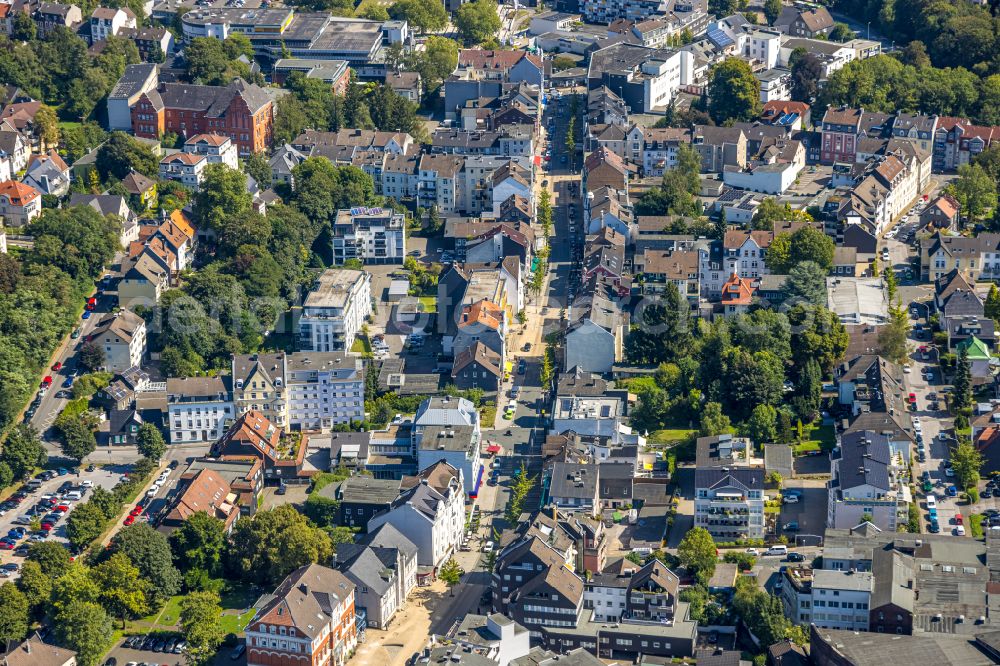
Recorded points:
(868,28)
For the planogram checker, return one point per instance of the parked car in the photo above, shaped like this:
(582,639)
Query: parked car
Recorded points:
(796,557)
(792,526)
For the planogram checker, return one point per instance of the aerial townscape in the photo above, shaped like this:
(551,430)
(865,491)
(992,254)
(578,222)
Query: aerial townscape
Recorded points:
(466,333)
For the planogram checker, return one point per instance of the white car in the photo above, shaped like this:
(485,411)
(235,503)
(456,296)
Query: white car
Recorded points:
(753,551)
(960,530)
(488,548)
(949,472)
(790,499)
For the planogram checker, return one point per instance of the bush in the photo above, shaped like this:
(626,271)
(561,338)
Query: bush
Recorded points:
(744,561)
(976,525)
(913,522)
(973,494)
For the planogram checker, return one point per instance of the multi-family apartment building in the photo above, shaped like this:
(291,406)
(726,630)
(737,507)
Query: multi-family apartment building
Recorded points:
(865,484)
(335,310)
(106,22)
(646,79)
(827,598)
(19,203)
(957,141)
(729,488)
(199,409)
(975,257)
(122,338)
(372,235)
(325,389)
(430,512)
(310,617)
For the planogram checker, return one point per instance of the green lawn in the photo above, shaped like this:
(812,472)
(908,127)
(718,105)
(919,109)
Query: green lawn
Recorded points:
(361,345)
(662,437)
(818,438)
(428,303)
(234,624)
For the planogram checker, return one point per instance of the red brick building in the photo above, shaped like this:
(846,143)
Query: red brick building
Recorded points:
(308,621)
(242,111)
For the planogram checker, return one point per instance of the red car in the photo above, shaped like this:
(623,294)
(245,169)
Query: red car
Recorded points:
(91,303)
(62,508)
(6,545)
(913,397)
(47,526)
(128,520)
(137,511)
(57,366)
(47,381)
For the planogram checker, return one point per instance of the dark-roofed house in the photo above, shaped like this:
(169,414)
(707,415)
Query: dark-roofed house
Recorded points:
(575,486)
(314,603)
(595,337)
(477,366)
(810,23)
(430,513)
(361,498)
(380,576)
(786,653)
(863,482)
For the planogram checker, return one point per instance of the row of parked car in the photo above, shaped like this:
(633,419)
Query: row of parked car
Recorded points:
(149,643)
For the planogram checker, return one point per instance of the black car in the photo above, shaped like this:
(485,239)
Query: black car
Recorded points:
(986,494)
(148,643)
(796,557)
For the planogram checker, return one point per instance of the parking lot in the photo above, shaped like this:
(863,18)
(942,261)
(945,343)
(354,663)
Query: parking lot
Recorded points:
(809,512)
(106,477)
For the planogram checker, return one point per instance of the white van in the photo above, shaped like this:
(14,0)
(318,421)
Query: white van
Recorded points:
(777,550)
(931,502)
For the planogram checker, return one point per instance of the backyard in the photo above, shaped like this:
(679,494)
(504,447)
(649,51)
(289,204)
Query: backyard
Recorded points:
(237,611)
(815,438)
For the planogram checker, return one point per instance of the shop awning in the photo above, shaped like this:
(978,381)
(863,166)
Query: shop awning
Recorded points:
(493,448)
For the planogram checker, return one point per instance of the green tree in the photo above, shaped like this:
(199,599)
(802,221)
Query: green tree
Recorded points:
(149,442)
(810,244)
(762,425)
(122,154)
(961,397)
(149,550)
(273,543)
(892,336)
(36,586)
(697,552)
(733,92)
(123,591)
(77,440)
(23,28)
(807,72)
(86,628)
(91,356)
(722,8)
(974,190)
(84,525)
(451,574)
(841,32)
(772,10)
(424,16)
(967,462)
(199,544)
(435,63)
(222,195)
(201,626)
(256,166)
(13,613)
(992,306)
(713,421)
(23,451)
(806,282)
(47,125)
(51,557)
(779,254)
(477,21)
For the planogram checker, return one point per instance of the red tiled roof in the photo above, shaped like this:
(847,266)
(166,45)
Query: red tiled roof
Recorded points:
(17,193)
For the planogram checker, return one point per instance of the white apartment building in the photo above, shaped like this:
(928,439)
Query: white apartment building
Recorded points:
(199,409)
(373,235)
(863,483)
(335,310)
(431,514)
(729,489)
(106,22)
(458,445)
(216,148)
(324,389)
(122,337)
(828,599)
(185,168)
